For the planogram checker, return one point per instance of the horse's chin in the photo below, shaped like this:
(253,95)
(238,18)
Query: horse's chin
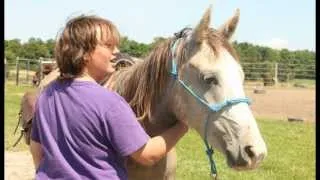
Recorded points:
(248,167)
(245,165)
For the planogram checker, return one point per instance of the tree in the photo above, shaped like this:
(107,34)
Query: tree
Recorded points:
(133,48)
(268,55)
(247,52)
(156,41)
(50,43)
(34,49)
(12,49)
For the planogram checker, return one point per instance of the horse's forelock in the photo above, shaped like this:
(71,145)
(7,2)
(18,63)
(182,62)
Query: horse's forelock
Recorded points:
(216,40)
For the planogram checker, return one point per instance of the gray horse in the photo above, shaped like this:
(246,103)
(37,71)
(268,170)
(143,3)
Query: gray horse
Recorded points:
(204,76)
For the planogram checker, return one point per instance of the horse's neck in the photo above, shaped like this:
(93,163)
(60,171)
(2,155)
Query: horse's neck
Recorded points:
(159,124)
(162,117)
(120,79)
(154,129)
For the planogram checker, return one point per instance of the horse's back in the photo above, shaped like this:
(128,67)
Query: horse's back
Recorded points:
(26,113)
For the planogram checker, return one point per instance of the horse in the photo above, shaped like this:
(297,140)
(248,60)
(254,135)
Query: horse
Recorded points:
(121,60)
(194,76)
(45,70)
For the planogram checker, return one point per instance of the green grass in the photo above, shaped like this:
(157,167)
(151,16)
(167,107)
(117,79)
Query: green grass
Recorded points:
(291,148)
(13,95)
(305,82)
(291,154)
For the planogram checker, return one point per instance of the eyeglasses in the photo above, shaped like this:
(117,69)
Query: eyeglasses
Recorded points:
(106,45)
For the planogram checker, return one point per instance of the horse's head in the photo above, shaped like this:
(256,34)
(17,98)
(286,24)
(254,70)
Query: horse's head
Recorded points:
(197,77)
(36,78)
(209,93)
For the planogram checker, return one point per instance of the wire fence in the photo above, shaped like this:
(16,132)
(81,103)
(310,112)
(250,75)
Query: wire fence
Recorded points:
(23,71)
(273,73)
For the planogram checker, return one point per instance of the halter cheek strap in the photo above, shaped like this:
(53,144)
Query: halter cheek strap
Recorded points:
(213,107)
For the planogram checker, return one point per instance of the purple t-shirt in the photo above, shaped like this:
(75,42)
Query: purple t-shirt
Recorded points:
(85,131)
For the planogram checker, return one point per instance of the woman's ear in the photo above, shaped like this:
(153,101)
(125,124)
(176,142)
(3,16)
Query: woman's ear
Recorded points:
(86,58)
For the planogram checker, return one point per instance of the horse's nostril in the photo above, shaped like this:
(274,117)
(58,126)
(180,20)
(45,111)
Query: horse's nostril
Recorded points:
(248,150)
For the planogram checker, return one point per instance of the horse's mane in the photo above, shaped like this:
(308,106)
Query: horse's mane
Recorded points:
(143,83)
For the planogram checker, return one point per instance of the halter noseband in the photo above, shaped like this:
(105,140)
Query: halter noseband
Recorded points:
(213,107)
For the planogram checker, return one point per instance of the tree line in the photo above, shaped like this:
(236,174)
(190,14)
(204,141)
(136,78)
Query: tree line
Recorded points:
(35,48)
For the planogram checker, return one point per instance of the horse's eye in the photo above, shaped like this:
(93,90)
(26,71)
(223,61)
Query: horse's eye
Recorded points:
(210,79)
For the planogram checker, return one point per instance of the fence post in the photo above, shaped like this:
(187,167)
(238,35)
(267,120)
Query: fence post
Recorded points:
(28,69)
(40,65)
(5,70)
(17,71)
(276,73)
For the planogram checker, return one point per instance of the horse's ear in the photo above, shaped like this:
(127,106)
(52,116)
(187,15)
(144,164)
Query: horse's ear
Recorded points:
(228,28)
(201,30)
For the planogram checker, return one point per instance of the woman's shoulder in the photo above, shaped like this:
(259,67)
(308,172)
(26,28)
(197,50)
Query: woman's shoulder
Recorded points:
(98,92)
(109,101)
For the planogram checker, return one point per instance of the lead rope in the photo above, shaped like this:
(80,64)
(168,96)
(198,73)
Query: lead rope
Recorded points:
(209,149)
(210,152)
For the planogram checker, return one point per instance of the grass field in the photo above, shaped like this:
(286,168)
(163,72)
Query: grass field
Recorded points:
(12,100)
(291,148)
(291,154)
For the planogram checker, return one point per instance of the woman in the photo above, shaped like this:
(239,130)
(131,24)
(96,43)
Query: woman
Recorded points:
(82,130)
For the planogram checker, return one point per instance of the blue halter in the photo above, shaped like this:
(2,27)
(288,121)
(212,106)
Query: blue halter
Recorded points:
(213,107)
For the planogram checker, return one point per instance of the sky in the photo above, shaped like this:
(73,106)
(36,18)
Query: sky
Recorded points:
(275,23)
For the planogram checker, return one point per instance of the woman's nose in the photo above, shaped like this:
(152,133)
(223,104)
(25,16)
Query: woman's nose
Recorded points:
(116,50)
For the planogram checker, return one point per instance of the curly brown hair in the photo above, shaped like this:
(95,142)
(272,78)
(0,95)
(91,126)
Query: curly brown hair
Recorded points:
(78,39)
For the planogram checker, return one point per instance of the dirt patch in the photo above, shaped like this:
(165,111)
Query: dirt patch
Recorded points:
(281,103)
(18,166)
(23,72)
